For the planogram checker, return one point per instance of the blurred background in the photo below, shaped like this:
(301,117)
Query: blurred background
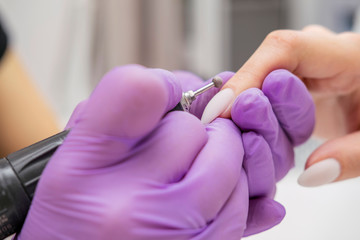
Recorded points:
(66,46)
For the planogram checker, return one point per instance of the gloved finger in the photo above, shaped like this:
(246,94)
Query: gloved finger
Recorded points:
(252,111)
(258,165)
(230,222)
(76,114)
(214,173)
(178,138)
(190,81)
(335,160)
(292,104)
(173,85)
(264,213)
(126,105)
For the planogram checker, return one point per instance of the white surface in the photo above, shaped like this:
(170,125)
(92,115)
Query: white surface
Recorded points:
(330,212)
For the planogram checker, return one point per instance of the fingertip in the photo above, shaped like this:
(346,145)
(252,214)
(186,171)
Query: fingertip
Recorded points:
(128,101)
(251,106)
(249,98)
(173,85)
(154,82)
(335,160)
(280,212)
(264,213)
(320,173)
(281,83)
(292,104)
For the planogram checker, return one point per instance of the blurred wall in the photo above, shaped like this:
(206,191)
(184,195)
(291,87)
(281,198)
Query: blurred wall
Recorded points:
(337,15)
(251,21)
(135,31)
(54,40)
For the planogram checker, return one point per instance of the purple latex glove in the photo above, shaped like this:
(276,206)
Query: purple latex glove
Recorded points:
(289,111)
(273,120)
(127,172)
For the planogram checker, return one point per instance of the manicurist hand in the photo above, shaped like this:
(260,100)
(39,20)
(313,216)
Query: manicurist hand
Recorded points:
(130,170)
(272,120)
(329,65)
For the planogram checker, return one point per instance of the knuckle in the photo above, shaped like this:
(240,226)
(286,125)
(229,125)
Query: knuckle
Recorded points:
(283,39)
(315,28)
(311,27)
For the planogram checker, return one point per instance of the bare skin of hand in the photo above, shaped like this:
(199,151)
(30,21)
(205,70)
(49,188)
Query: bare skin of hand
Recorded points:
(329,65)
(25,118)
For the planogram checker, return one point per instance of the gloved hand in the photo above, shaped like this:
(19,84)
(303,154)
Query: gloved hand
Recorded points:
(273,120)
(126,171)
(289,111)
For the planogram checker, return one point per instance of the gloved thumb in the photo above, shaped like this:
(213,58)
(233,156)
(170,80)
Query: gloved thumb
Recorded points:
(127,104)
(335,160)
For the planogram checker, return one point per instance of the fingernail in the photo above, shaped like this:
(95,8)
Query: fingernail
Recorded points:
(217,105)
(320,173)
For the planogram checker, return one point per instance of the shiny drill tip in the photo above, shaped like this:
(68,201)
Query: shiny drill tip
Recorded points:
(217,82)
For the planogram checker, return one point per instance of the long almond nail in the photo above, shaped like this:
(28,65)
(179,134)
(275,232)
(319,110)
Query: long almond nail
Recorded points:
(217,105)
(320,173)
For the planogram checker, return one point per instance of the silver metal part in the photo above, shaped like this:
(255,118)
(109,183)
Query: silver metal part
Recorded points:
(189,96)
(217,82)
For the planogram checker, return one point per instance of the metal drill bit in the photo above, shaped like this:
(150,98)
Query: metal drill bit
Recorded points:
(189,96)
(215,82)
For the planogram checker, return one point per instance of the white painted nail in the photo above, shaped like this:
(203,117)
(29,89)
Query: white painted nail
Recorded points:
(320,173)
(217,105)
